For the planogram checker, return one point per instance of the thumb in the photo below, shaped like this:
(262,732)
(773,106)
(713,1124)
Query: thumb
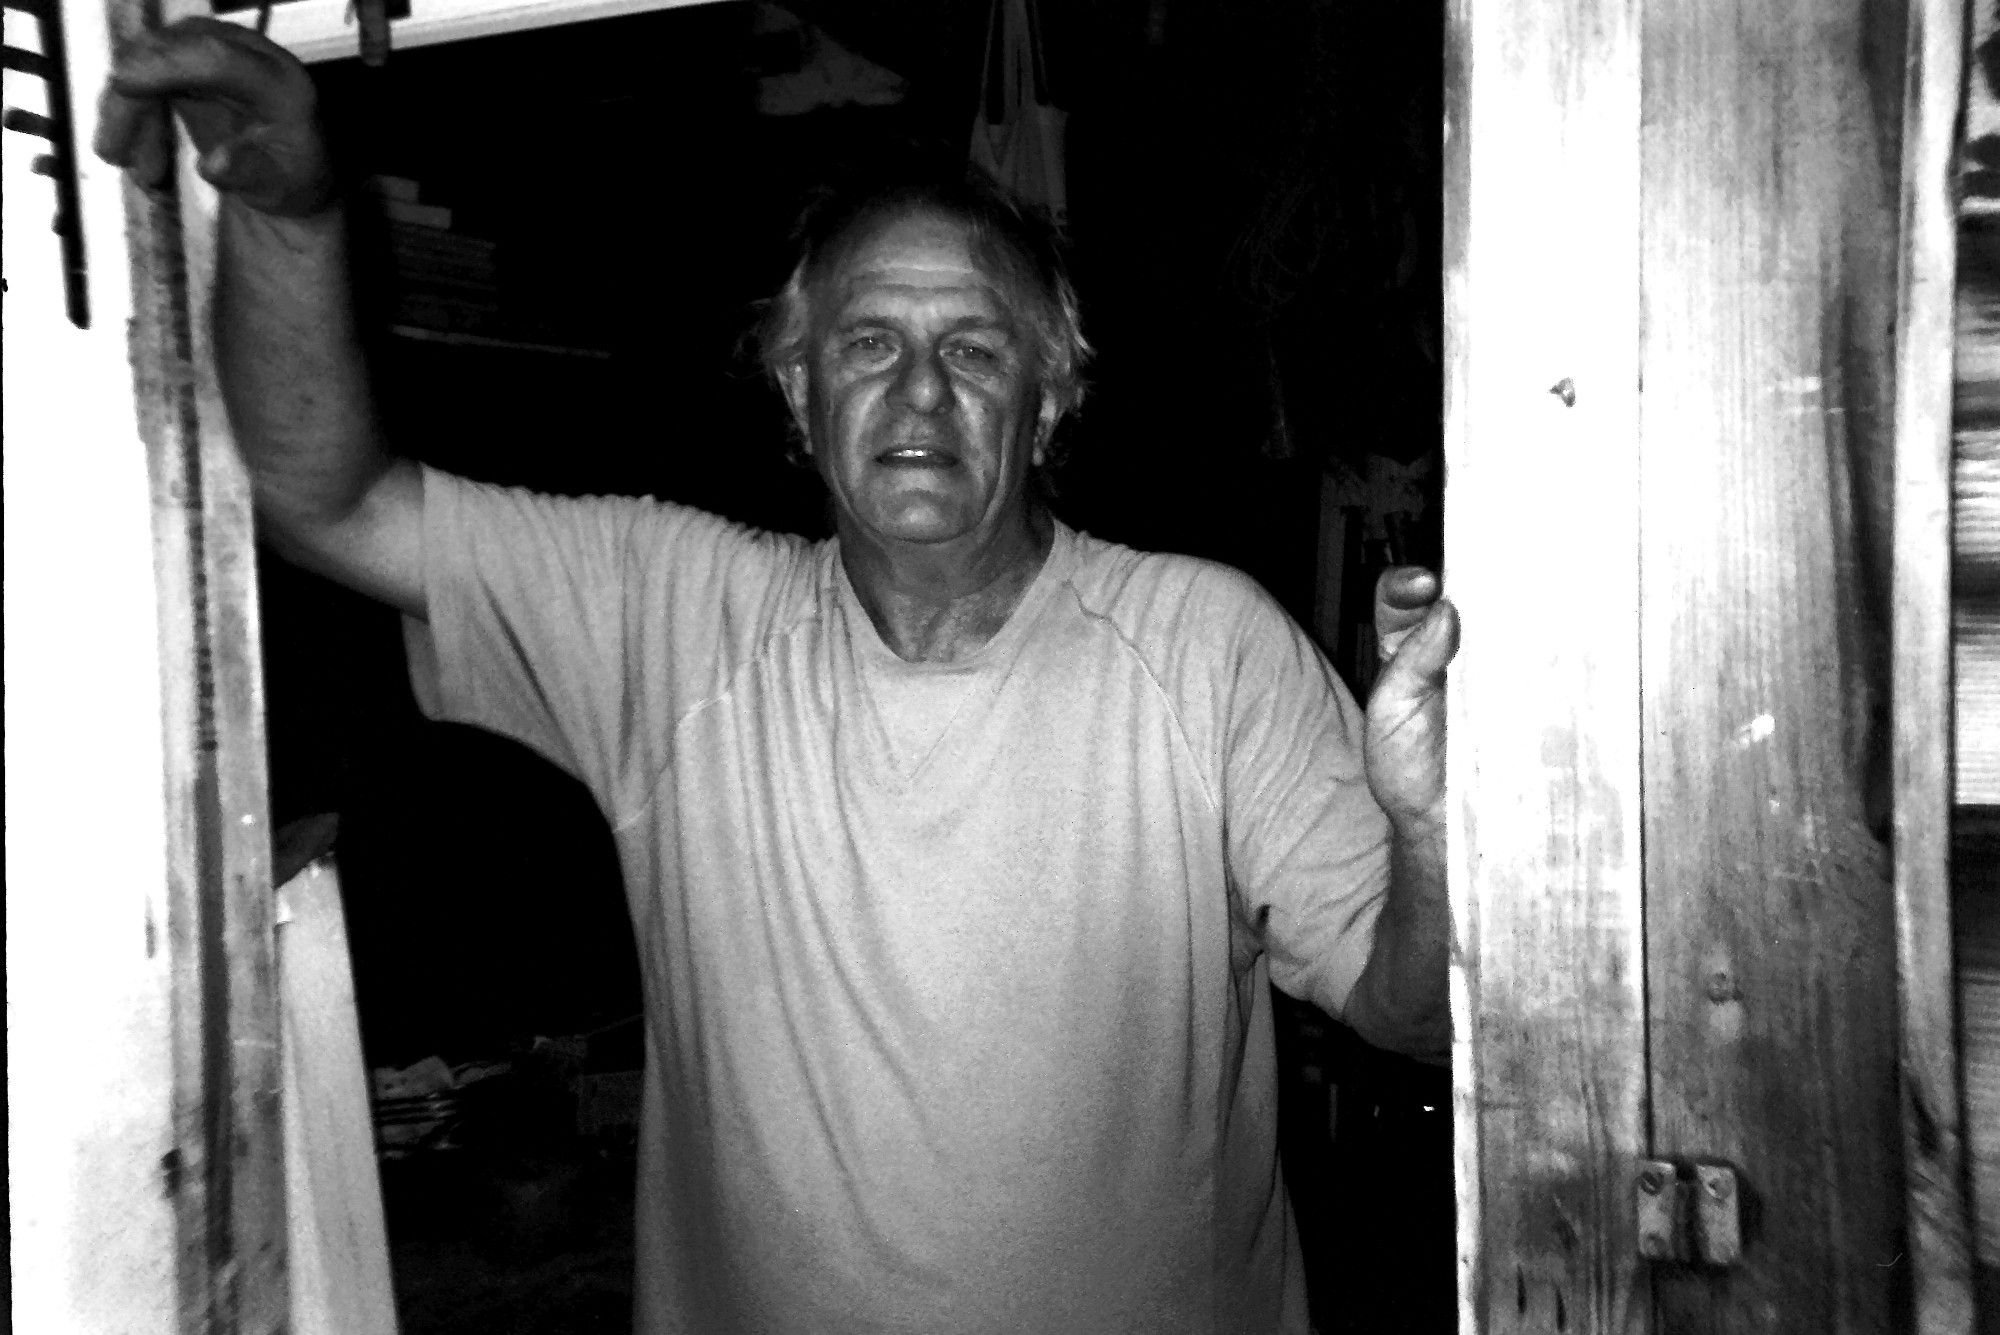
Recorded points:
(215,162)
(1423,651)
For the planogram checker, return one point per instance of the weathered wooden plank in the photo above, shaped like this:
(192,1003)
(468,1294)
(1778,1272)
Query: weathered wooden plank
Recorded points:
(244,928)
(1920,623)
(339,1249)
(229,1174)
(1771,181)
(1542,321)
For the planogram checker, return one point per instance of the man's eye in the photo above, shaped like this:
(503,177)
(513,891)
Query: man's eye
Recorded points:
(974,352)
(867,343)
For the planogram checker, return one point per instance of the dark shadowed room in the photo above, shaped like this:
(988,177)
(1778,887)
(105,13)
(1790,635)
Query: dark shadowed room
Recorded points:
(565,237)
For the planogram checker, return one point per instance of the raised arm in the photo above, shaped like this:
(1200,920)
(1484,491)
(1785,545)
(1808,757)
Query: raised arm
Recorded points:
(329,496)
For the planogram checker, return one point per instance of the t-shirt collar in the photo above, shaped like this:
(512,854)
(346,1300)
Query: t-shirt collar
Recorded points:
(868,643)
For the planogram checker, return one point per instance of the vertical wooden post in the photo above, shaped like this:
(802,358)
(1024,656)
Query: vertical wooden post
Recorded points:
(228,1170)
(1770,153)
(1541,554)
(1933,1148)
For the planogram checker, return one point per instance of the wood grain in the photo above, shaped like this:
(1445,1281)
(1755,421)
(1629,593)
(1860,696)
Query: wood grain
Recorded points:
(339,1249)
(1771,182)
(230,1169)
(1542,331)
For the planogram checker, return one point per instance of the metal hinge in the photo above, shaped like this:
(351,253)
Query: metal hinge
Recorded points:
(1690,1214)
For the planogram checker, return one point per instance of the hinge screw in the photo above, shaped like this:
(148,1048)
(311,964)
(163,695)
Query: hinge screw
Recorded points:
(1720,1185)
(1651,1181)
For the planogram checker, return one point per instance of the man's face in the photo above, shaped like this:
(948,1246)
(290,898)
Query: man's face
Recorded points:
(919,398)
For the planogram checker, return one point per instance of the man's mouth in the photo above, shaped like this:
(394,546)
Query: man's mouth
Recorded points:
(916,456)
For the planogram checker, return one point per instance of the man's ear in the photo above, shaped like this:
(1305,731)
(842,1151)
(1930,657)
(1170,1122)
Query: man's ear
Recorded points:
(796,384)
(1046,417)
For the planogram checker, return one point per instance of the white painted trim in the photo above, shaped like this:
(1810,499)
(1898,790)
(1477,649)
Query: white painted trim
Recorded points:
(89,1016)
(315,30)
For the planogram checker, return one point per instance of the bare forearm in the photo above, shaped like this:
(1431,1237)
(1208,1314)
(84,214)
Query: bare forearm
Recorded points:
(291,367)
(288,354)
(1402,1000)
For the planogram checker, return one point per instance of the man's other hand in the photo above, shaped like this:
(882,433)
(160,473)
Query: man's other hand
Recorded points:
(1418,634)
(247,103)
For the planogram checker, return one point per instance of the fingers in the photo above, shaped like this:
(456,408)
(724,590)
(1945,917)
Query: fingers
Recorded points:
(210,58)
(132,133)
(246,103)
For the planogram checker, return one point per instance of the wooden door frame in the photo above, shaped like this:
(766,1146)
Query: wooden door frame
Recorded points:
(1542,504)
(222,1165)
(228,1160)
(1569,329)
(1932,1102)
(1544,108)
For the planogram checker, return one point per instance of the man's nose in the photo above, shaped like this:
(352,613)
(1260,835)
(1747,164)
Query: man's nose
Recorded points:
(923,384)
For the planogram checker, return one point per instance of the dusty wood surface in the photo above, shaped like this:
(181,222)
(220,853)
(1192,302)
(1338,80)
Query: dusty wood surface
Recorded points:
(229,1176)
(1771,183)
(1933,1128)
(1542,320)
(339,1249)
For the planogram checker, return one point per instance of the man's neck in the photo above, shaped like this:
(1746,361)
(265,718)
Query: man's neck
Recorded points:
(939,604)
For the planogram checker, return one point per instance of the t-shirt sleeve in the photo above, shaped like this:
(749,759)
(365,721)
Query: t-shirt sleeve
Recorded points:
(1308,845)
(567,624)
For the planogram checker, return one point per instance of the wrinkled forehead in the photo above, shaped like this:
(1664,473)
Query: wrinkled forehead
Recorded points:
(921,253)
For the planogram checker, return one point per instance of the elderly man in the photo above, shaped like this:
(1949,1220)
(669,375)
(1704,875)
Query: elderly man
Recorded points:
(960,849)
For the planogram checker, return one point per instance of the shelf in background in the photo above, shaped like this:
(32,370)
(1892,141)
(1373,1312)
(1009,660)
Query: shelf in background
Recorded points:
(420,334)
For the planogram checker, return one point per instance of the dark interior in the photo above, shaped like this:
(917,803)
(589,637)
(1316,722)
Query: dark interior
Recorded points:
(1254,209)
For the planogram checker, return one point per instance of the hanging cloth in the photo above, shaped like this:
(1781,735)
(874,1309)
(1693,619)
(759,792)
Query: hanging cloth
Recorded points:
(1017,136)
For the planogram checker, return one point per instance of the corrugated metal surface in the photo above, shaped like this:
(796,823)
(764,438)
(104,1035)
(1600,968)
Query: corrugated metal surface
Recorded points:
(1976,517)
(1976,665)
(1976,484)
(1976,632)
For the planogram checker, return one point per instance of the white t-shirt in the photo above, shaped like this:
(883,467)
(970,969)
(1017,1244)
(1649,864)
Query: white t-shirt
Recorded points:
(955,974)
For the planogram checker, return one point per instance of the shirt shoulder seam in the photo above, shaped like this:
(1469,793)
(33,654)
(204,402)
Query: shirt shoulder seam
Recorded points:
(1166,697)
(643,803)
